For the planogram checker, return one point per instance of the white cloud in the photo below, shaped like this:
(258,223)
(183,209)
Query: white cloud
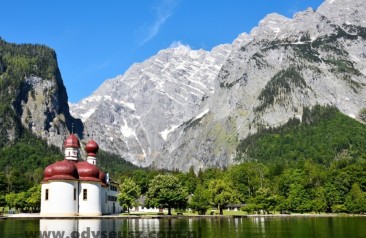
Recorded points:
(177,44)
(163,10)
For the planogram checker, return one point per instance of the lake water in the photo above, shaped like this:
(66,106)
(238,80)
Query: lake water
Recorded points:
(281,227)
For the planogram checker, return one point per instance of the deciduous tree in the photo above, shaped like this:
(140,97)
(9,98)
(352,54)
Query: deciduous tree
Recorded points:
(34,197)
(356,200)
(166,191)
(129,193)
(222,193)
(200,200)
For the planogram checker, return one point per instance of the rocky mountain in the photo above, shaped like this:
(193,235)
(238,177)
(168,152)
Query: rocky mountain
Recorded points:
(32,95)
(184,108)
(134,114)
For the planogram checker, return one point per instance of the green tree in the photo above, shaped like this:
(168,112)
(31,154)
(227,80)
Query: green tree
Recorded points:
(33,199)
(3,189)
(166,191)
(248,178)
(21,200)
(336,188)
(16,181)
(222,193)
(319,202)
(264,200)
(287,178)
(281,202)
(16,200)
(249,208)
(2,201)
(129,193)
(141,179)
(298,199)
(356,200)
(209,174)
(189,180)
(3,184)
(338,208)
(200,200)
(10,199)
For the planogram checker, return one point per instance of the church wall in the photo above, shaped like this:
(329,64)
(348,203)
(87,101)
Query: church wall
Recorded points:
(111,204)
(44,203)
(91,206)
(61,200)
(104,199)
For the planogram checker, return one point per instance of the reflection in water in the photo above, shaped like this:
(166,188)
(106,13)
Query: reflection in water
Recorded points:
(58,226)
(280,227)
(260,224)
(117,228)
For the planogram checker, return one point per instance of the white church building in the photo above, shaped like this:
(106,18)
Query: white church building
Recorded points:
(75,187)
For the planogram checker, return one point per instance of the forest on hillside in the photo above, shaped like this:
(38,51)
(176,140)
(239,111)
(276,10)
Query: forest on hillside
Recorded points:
(17,62)
(315,166)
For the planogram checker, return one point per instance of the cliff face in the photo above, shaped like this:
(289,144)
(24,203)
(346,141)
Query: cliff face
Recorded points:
(134,114)
(184,108)
(282,66)
(33,95)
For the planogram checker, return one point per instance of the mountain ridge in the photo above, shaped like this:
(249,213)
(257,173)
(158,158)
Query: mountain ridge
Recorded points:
(172,100)
(267,77)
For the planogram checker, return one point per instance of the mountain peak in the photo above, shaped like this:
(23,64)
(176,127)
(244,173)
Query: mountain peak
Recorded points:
(270,26)
(185,107)
(351,12)
(135,114)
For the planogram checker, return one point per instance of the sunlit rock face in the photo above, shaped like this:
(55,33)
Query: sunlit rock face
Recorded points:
(184,107)
(135,113)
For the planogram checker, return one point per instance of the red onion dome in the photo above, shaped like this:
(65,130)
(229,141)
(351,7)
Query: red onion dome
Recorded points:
(47,173)
(72,141)
(64,169)
(92,148)
(87,171)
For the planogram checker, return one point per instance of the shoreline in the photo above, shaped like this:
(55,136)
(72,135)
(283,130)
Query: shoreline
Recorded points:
(38,216)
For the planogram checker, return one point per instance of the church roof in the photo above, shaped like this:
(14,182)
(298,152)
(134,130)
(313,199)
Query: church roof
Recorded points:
(73,170)
(91,148)
(72,142)
(76,170)
(87,171)
(61,170)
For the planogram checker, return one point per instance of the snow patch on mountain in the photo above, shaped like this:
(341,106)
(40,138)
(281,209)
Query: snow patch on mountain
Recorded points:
(164,134)
(127,131)
(202,114)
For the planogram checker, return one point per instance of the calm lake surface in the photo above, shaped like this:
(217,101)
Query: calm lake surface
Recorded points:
(281,227)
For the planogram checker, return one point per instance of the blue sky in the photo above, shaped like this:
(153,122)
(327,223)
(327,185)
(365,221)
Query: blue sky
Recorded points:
(97,40)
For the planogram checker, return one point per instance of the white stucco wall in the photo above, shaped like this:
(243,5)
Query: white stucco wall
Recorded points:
(107,206)
(92,160)
(104,199)
(44,203)
(71,153)
(60,198)
(92,205)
